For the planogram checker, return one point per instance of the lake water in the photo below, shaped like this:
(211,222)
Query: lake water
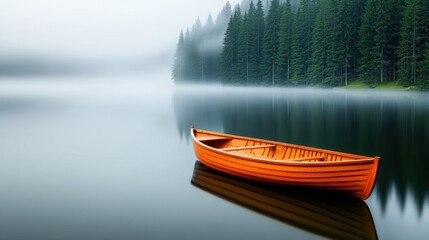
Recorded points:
(112,159)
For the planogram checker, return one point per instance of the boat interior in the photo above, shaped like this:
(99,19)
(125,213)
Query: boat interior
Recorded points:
(269,150)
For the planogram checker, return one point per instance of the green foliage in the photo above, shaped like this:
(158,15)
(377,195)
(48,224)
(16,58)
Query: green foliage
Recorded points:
(243,51)
(301,41)
(414,36)
(271,42)
(316,42)
(368,57)
(323,44)
(230,62)
(379,40)
(334,44)
(423,70)
(345,54)
(243,47)
(256,33)
(285,44)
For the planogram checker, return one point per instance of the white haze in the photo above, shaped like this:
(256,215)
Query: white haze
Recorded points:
(98,30)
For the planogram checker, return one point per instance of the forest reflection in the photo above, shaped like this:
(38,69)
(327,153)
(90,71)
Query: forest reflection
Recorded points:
(389,124)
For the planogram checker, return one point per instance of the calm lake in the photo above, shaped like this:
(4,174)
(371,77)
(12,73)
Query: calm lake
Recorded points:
(113,159)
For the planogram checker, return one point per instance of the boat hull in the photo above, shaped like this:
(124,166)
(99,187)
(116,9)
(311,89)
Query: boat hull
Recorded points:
(356,176)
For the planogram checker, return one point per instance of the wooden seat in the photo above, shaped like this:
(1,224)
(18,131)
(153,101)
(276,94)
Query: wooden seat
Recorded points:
(247,148)
(211,138)
(305,159)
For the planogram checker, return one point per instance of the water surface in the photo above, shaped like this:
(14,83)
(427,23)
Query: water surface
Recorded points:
(112,159)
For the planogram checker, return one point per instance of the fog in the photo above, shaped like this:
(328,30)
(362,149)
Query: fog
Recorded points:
(92,35)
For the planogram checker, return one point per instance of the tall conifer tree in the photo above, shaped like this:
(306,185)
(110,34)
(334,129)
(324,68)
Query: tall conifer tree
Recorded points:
(346,53)
(423,69)
(229,64)
(256,33)
(271,42)
(323,44)
(368,51)
(187,69)
(378,40)
(414,37)
(285,44)
(206,51)
(301,41)
(179,59)
(243,50)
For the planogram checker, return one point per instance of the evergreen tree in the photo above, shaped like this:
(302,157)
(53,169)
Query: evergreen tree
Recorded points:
(423,70)
(243,50)
(285,44)
(198,52)
(323,44)
(379,40)
(179,59)
(223,18)
(394,22)
(271,42)
(208,50)
(345,52)
(387,38)
(229,61)
(368,58)
(220,26)
(256,33)
(301,41)
(196,57)
(414,37)
(188,60)
(249,26)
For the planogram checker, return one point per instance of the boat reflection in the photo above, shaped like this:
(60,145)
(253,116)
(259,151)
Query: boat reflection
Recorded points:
(332,215)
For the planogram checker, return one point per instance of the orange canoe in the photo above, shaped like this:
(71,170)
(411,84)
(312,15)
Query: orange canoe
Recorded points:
(288,164)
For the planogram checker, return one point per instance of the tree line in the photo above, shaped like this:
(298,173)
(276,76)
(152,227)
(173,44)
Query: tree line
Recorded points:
(317,42)
(198,53)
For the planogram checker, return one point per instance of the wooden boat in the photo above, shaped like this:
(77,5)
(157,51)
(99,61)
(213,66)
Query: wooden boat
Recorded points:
(332,216)
(287,164)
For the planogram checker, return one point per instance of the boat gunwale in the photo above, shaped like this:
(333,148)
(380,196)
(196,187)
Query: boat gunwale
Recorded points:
(363,160)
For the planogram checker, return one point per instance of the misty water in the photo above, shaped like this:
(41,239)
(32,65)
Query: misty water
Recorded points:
(112,158)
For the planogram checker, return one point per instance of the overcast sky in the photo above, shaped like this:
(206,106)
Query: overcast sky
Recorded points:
(97,29)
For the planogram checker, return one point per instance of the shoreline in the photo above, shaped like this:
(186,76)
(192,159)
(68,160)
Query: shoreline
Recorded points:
(354,85)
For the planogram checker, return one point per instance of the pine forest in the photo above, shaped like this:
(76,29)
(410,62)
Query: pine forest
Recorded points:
(309,42)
